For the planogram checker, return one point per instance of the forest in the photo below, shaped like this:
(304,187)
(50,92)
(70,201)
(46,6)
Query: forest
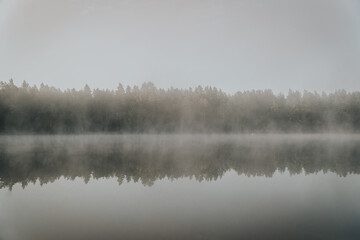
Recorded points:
(148,109)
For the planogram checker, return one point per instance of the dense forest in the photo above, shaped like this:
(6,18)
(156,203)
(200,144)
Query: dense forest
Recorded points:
(146,109)
(27,159)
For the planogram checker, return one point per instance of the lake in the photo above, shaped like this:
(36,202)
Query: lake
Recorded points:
(180,187)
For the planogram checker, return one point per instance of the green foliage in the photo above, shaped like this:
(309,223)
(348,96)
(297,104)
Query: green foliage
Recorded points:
(46,109)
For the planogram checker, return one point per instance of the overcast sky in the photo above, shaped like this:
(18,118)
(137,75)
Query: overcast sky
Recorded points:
(230,44)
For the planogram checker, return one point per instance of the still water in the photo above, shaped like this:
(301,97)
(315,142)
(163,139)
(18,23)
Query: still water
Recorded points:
(180,187)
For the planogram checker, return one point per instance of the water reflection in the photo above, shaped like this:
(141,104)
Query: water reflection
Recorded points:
(25,159)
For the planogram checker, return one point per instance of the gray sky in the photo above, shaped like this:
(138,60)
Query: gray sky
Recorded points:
(230,44)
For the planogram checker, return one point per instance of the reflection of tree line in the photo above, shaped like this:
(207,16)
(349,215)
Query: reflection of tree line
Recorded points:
(144,161)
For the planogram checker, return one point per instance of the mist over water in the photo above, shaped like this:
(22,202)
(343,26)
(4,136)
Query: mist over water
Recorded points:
(147,158)
(181,186)
(179,119)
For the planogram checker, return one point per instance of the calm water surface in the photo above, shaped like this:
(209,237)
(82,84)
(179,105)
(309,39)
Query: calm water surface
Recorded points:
(180,187)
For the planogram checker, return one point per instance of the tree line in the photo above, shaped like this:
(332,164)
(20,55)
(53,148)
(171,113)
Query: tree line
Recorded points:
(147,109)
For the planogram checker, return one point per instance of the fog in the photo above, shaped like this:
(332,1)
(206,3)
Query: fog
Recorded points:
(148,109)
(179,119)
(148,158)
(232,45)
(179,186)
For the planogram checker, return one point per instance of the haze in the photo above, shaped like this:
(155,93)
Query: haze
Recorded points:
(232,45)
